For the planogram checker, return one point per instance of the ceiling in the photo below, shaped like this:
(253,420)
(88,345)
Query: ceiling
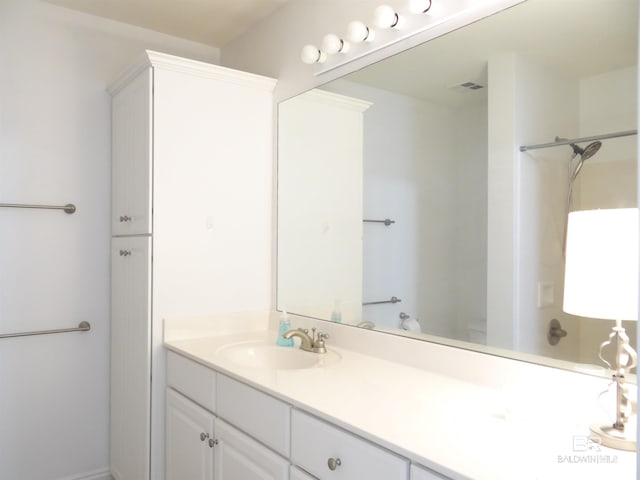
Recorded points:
(211,22)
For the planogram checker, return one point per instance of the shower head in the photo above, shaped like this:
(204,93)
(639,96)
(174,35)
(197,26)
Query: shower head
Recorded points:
(587,152)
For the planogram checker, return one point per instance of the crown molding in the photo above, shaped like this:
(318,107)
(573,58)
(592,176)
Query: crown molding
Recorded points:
(151,59)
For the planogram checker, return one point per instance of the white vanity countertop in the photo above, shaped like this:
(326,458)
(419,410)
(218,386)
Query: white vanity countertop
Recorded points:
(459,429)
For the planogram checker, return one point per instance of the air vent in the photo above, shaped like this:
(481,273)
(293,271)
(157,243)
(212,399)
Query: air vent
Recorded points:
(466,87)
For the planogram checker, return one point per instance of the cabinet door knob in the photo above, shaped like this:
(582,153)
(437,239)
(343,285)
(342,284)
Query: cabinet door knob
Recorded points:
(125,253)
(213,442)
(334,463)
(125,218)
(203,436)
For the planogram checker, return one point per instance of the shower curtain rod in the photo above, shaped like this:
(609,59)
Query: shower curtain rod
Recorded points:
(557,143)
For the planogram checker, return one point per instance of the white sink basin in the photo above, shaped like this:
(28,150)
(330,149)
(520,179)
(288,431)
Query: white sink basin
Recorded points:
(268,356)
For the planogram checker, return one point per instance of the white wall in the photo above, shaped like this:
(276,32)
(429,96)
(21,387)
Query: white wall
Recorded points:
(526,221)
(408,149)
(547,107)
(54,268)
(320,217)
(425,168)
(470,220)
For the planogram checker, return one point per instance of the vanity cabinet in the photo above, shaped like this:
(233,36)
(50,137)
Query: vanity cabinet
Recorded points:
(218,428)
(191,177)
(200,446)
(202,443)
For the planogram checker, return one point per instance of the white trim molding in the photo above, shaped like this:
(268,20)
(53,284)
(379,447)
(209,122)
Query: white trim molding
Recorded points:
(194,67)
(101,474)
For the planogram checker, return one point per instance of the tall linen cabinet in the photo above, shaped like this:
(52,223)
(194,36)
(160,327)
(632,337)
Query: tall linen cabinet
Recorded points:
(191,226)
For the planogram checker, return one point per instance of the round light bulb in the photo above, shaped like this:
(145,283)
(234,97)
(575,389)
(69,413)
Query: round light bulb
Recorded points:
(420,6)
(358,32)
(386,17)
(311,54)
(333,44)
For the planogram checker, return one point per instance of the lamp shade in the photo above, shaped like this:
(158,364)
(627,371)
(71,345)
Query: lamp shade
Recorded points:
(601,270)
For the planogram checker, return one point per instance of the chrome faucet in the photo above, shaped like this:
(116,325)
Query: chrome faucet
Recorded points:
(313,343)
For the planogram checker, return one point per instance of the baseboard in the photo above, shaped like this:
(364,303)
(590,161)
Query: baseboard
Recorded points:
(95,475)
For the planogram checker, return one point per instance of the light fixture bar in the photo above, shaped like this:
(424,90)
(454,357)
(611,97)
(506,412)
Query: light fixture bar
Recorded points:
(461,14)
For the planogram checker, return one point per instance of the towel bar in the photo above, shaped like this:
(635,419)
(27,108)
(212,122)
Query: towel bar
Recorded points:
(68,208)
(386,221)
(82,327)
(391,300)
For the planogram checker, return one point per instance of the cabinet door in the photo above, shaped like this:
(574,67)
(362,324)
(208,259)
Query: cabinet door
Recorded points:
(238,456)
(297,474)
(131,157)
(189,429)
(130,357)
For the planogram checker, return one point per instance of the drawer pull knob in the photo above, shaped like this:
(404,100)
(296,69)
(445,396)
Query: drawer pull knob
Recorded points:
(213,442)
(125,218)
(203,436)
(333,463)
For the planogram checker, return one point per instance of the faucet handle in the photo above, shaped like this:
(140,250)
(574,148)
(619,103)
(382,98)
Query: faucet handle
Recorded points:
(320,338)
(305,330)
(318,343)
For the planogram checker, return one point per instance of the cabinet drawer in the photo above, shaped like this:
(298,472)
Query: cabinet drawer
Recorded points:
(314,443)
(258,414)
(192,380)
(421,473)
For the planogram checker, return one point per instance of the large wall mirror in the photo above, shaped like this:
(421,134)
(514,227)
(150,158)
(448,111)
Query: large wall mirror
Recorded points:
(406,205)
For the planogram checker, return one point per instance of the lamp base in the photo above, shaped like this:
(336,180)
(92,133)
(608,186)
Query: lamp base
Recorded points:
(615,438)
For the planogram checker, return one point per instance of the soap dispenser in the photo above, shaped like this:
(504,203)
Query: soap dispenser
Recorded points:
(336,315)
(283,327)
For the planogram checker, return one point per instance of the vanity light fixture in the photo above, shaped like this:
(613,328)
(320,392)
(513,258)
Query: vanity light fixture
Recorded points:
(332,44)
(601,281)
(358,32)
(420,6)
(387,17)
(311,54)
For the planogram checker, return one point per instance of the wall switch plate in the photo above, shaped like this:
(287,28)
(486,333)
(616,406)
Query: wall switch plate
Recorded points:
(546,293)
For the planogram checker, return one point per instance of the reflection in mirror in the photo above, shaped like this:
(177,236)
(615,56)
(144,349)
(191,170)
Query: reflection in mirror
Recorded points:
(429,139)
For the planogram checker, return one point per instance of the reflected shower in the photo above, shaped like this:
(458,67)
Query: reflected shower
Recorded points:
(583,154)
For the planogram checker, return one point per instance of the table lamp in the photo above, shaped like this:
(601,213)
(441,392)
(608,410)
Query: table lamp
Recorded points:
(601,281)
